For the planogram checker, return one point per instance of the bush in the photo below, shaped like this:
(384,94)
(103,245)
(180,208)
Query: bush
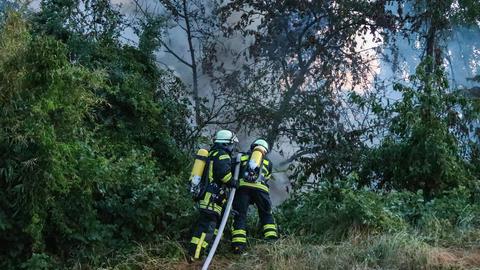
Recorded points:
(451,218)
(431,143)
(335,209)
(332,211)
(76,179)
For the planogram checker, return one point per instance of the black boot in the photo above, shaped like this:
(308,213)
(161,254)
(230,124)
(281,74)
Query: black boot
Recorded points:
(238,249)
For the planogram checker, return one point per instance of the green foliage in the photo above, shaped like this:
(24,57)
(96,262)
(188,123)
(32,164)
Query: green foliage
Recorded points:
(93,133)
(83,150)
(468,12)
(38,261)
(132,202)
(78,21)
(429,131)
(451,218)
(336,208)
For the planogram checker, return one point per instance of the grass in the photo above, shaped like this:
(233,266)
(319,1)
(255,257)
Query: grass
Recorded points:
(401,250)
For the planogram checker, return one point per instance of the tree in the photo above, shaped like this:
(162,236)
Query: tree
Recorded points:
(423,150)
(434,123)
(300,54)
(193,21)
(86,125)
(304,55)
(433,20)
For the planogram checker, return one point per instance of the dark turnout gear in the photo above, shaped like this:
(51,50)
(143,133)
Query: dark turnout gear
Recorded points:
(256,193)
(211,204)
(261,183)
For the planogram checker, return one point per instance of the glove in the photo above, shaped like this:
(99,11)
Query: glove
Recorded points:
(233,183)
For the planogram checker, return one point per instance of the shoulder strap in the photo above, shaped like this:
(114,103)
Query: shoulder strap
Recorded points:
(204,158)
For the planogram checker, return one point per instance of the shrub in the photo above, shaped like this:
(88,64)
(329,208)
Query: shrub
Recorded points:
(450,218)
(431,130)
(336,208)
(76,180)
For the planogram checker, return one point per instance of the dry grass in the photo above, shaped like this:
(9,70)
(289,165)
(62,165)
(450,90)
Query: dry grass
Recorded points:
(455,258)
(395,251)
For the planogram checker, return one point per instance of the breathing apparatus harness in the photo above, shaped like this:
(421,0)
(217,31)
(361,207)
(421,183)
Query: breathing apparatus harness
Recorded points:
(199,178)
(254,168)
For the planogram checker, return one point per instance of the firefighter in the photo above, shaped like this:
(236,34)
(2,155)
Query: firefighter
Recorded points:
(253,189)
(219,173)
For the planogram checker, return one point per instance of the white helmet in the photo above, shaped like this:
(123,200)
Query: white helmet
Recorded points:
(225,136)
(260,142)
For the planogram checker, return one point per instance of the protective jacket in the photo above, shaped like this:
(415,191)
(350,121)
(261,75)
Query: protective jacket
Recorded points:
(219,175)
(256,193)
(261,183)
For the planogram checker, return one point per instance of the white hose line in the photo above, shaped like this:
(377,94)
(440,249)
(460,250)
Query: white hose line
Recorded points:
(224,218)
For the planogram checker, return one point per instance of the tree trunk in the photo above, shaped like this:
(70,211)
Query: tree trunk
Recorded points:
(196,96)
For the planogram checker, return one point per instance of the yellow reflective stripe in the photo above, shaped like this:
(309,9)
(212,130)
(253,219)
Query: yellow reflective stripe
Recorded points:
(227,177)
(266,162)
(239,232)
(271,233)
(203,206)
(244,158)
(212,206)
(199,246)
(239,240)
(218,209)
(195,240)
(222,157)
(206,199)
(210,172)
(269,226)
(215,231)
(261,186)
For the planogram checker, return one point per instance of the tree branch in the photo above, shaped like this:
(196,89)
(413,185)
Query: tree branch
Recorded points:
(170,51)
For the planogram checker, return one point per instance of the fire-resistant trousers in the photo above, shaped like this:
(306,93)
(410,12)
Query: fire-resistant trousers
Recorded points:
(203,234)
(261,199)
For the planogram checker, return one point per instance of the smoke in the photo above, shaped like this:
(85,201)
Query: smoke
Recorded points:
(177,39)
(464,55)
(462,62)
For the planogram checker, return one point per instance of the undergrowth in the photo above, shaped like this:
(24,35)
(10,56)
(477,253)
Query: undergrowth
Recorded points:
(400,250)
